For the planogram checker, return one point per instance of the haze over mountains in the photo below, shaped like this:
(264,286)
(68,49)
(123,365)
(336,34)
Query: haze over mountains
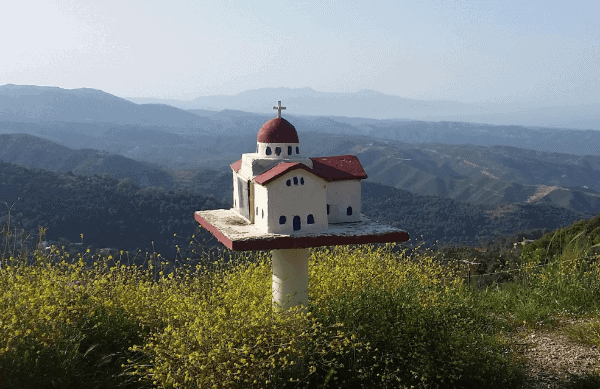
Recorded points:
(113,124)
(523,176)
(372,104)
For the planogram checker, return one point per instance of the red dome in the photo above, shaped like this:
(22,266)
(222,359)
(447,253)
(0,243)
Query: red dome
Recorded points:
(277,130)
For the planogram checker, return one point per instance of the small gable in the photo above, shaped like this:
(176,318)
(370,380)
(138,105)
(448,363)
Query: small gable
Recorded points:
(279,170)
(339,168)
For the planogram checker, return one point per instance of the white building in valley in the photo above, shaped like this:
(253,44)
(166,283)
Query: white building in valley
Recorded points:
(280,191)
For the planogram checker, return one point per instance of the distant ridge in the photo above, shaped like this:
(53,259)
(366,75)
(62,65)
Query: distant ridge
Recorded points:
(34,104)
(364,103)
(34,152)
(372,104)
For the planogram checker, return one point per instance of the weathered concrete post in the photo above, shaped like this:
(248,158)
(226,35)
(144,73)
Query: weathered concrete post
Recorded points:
(290,277)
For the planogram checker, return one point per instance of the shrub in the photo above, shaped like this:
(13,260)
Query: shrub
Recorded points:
(220,330)
(376,318)
(58,329)
(413,324)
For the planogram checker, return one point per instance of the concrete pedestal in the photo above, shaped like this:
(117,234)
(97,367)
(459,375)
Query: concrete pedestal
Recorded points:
(290,277)
(289,252)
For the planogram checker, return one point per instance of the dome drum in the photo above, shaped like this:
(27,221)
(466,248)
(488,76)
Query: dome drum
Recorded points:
(278,150)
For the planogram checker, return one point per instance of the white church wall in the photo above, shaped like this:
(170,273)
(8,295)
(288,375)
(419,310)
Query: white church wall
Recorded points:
(261,219)
(242,196)
(340,196)
(297,199)
(236,200)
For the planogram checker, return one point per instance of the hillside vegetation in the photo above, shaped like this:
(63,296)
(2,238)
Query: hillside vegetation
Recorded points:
(116,213)
(110,212)
(377,318)
(35,152)
(457,223)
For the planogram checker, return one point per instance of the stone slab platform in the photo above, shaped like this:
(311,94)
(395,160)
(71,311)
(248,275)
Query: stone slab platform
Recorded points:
(236,233)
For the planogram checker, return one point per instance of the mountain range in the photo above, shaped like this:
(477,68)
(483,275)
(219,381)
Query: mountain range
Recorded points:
(106,122)
(495,176)
(372,104)
(36,104)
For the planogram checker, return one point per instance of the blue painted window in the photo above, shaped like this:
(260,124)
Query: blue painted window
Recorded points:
(297,150)
(278,151)
(289,150)
(268,152)
(288,182)
(297,223)
(301,180)
(281,219)
(295,180)
(310,219)
(349,211)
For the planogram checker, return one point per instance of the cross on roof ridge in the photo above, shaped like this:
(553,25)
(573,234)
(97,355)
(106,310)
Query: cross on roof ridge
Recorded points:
(278,108)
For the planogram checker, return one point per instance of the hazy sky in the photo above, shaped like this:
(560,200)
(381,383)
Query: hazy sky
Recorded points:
(469,50)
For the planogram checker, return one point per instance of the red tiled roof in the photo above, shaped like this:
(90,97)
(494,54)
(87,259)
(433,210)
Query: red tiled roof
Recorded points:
(338,168)
(237,165)
(277,130)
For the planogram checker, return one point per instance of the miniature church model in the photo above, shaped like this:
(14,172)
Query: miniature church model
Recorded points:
(286,202)
(281,191)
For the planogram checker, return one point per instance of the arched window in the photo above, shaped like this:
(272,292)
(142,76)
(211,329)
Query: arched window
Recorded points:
(278,151)
(288,182)
(295,180)
(297,150)
(310,219)
(281,219)
(289,150)
(349,211)
(301,180)
(297,223)
(268,151)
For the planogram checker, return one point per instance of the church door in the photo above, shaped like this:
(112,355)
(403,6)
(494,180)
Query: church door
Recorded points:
(296,223)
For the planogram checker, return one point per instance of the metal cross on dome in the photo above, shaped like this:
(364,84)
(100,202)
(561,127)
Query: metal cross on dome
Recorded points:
(279,108)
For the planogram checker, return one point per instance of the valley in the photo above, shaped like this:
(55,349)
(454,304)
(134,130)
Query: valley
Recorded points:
(457,183)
